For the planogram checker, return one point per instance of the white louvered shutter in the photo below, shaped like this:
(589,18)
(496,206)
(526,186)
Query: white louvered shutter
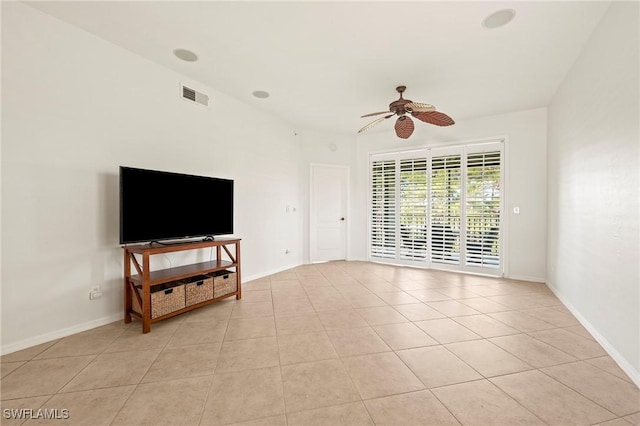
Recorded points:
(383,208)
(446,184)
(413,209)
(483,209)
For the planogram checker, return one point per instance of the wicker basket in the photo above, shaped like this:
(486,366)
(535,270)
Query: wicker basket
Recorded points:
(165,298)
(224,282)
(198,289)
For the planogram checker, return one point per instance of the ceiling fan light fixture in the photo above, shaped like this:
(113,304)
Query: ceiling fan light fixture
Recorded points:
(499,18)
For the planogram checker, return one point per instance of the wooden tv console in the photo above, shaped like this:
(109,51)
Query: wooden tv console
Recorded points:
(144,279)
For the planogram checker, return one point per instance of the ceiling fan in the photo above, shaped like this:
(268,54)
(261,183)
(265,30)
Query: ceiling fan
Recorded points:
(402,107)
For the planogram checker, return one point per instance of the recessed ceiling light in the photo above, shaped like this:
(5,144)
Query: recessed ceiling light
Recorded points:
(185,55)
(499,18)
(261,94)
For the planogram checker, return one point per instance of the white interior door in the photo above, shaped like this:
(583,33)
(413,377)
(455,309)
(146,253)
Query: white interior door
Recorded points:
(328,224)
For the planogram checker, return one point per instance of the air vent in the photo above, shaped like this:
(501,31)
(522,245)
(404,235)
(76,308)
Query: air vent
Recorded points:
(192,95)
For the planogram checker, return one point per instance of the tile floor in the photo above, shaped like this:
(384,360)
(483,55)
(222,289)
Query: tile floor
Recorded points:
(341,343)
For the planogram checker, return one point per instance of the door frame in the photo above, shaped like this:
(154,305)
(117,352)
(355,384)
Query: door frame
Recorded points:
(312,238)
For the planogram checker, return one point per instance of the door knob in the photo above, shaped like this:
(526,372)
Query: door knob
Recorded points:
(342,218)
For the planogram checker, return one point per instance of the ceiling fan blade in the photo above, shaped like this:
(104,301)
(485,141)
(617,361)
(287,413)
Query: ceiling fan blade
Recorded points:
(404,127)
(419,107)
(374,123)
(434,117)
(375,113)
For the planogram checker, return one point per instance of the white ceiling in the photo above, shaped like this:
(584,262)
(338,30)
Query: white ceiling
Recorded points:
(327,63)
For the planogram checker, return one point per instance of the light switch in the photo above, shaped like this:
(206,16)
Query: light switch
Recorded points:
(516,210)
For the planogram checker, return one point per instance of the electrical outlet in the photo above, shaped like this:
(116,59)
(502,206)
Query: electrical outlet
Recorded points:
(287,251)
(95,294)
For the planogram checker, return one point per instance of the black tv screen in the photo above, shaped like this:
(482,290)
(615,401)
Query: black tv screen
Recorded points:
(157,205)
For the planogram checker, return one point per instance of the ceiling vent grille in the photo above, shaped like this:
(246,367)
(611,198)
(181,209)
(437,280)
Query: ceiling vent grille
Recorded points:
(192,95)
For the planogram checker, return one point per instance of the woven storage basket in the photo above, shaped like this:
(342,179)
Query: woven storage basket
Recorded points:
(198,289)
(224,282)
(165,298)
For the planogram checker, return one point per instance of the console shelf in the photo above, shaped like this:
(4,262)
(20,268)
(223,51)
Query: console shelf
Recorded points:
(139,255)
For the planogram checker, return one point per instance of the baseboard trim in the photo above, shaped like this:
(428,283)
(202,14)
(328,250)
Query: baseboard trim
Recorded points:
(613,353)
(267,273)
(526,278)
(58,334)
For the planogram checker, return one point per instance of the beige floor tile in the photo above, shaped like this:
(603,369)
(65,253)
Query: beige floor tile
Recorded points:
(452,308)
(343,318)
(183,362)
(607,364)
(298,323)
(352,414)
(403,336)
(357,341)
(316,384)
(634,419)
(86,343)
(329,303)
(482,403)
(436,366)
(570,343)
(614,394)
(414,408)
(550,400)
(256,285)
(552,316)
(428,295)
(446,330)
(195,333)
(247,354)
(280,420)
(283,306)
(27,354)
(484,305)
(220,311)
(179,402)
(8,367)
(42,377)
(580,331)
(14,416)
(257,296)
(364,300)
(615,422)
(418,312)
(279,294)
(308,347)
(382,374)
(244,309)
(113,369)
(250,328)
(485,291)
(90,407)
(397,298)
(534,352)
(458,293)
(485,326)
(520,321)
(381,315)
(487,358)
(352,289)
(379,287)
(244,395)
(135,339)
(514,301)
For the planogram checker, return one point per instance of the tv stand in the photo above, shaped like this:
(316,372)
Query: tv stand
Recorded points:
(139,285)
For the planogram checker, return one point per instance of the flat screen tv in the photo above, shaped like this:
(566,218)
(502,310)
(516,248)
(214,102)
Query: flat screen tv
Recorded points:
(158,205)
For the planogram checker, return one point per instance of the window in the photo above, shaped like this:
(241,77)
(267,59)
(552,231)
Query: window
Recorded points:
(438,207)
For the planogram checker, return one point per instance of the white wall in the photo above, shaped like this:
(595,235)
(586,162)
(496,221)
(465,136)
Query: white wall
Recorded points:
(593,255)
(525,159)
(74,108)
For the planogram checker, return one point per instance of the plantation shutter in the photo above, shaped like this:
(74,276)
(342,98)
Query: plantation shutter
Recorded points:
(383,208)
(483,209)
(446,183)
(413,209)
